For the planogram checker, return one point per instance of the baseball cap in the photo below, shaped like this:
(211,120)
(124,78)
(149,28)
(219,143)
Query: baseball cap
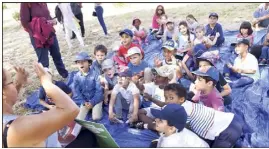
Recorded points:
(170,45)
(128,32)
(204,58)
(126,73)
(243,41)
(133,50)
(212,72)
(108,63)
(199,49)
(213,14)
(175,114)
(82,56)
(164,71)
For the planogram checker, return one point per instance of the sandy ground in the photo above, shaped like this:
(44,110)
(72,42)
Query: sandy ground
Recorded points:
(17,49)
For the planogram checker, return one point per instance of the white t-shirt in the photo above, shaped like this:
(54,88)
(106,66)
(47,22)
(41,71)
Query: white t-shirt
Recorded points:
(134,29)
(206,122)
(183,42)
(250,62)
(154,90)
(67,14)
(126,93)
(185,138)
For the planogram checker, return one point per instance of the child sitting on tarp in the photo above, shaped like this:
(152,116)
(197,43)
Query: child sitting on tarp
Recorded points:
(170,32)
(159,33)
(184,40)
(46,101)
(139,32)
(153,90)
(201,38)
(192,23)
(171,121)
(126,38)
(88,93)
(264,57)
(213,27)
(125,95)
(218,129)
(206,80)
(109,79)
(100,52)
(245,69)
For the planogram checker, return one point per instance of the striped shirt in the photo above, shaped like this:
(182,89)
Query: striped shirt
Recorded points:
(206,122)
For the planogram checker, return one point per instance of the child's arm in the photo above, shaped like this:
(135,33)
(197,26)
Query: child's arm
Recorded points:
(185,58)
(43,103)
(98,95)
(189,74)
(210,42)
(111,106)
(157,102)
(77,91)
(134,117)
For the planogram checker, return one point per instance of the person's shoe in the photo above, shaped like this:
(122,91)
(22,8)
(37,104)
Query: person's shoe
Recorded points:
(227,79)
(73,37)
(83,36)
(263,62)
(137,125)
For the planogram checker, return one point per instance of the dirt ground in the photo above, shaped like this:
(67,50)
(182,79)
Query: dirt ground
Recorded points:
(18,51)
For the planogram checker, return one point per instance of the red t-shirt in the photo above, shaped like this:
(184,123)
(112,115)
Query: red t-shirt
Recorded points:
(123,51)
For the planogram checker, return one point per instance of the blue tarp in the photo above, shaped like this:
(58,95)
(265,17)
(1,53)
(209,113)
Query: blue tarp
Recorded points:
(250,103)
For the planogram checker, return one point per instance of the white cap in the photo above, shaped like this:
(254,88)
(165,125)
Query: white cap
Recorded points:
(165,71)
(133,50)
(108,63)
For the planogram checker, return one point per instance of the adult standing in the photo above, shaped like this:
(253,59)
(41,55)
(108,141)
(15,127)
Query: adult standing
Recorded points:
(76,8)
(34,17)
(99,14)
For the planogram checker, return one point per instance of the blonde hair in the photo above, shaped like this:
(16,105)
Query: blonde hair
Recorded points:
(201,27)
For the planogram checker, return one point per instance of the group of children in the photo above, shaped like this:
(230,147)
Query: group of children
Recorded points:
(184,118)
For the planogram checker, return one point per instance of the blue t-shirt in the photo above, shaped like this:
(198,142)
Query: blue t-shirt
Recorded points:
(137,69)
(212,32)
(112,81)
(60,84)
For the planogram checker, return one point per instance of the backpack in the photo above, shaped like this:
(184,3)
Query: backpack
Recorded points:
(58,14)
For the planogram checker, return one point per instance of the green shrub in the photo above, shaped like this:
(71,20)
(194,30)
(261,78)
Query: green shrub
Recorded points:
(16,15)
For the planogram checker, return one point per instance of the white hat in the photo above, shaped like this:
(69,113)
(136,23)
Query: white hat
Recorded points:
(133,50)
(165,71)
(108,63)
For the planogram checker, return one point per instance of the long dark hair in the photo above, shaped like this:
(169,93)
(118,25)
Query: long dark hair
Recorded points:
(156,11)
(184,23)
(191,16)
(246,25)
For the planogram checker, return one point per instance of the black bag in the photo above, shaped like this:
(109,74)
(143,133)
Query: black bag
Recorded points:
(94,14)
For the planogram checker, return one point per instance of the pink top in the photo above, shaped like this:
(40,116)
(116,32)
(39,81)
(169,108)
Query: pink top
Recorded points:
(213,99)
(155,24)
(250,38)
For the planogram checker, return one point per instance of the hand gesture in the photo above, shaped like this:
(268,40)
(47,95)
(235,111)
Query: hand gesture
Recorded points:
(157,62)
(112,117)
(147,97)
(133,118)
(43,75)
(229,65)
(21,76)
(88,105)
(217,34)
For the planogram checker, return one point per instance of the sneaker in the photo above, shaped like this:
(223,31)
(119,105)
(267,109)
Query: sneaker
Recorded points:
(263,62)
(137,125)
(73,37)
(227,79)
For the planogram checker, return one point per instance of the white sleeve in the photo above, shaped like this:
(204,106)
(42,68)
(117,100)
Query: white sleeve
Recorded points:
(116,89)
(149,88)
(236,62)
(253,63)
(134,89)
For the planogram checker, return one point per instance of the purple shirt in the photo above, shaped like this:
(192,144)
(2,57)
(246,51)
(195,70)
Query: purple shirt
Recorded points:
(31,10)
(213,99)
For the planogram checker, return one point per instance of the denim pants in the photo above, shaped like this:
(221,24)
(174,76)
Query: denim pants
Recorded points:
(99,12)
(238,79)
(121,104)
(265,53)
(54,50)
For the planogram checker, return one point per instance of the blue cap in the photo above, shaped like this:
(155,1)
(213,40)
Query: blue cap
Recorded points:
(199,49)
(126,73)
(82,56)
(175,114)
(204,58)
(212,72)
(213,14)
(170,45)
(128,32)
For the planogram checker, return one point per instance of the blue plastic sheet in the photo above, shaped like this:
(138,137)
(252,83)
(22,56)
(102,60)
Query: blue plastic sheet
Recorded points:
(250,103)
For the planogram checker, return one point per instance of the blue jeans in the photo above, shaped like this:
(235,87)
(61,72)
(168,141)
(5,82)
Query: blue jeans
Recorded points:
(54,50)
(99,12)
(238,79)
(265,53)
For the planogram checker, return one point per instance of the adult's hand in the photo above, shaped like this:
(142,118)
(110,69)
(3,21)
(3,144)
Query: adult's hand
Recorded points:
(21,75)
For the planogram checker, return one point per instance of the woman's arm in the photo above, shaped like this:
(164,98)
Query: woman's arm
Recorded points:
(30,130)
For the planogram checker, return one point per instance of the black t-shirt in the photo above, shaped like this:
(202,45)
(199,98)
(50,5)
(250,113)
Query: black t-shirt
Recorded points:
(60,84)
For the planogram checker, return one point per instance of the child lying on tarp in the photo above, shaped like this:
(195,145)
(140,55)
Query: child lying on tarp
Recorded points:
(45,100)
